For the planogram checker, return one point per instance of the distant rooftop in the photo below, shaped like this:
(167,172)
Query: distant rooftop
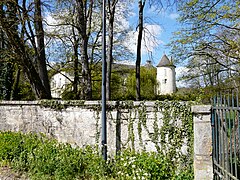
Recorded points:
(165,62)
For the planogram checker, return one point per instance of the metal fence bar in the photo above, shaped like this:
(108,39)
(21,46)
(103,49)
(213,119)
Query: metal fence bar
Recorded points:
(216,134)
(225,133)
(230,135)
(234,136)
(220,129)
(226,136)
(238,127)
(224,170)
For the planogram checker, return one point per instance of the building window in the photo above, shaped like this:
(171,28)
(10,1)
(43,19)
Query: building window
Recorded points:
(53,83)
(164,81)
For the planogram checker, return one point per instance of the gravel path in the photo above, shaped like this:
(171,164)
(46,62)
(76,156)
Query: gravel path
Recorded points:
(7,173)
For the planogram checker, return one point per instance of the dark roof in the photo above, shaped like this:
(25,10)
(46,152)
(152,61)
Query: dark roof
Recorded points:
(149,64)
(121,67)
(164,62)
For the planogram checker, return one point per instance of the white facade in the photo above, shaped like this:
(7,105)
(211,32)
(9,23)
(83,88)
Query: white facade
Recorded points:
(166,77)
(59,82)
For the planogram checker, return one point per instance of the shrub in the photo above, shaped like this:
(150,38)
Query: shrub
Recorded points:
(142,165)
(44,158)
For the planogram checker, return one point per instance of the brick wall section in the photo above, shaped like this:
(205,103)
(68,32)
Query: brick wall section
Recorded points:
(203,168)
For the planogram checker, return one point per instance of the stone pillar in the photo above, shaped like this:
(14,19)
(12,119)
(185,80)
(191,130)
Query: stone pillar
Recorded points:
(203,166)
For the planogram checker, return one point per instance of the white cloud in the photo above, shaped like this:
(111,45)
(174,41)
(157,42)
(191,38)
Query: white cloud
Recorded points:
(173,16)
(50,20)
(150,39)
(180,71)
(52,25)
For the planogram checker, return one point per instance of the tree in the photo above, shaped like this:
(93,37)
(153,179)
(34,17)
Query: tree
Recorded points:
(65,32)
(63,46)
(111,14)
(148,84)
(21,43)
(118,11)
(84,12)
(141,4)
(7,68)
(77,29)
(40,52)
(210,38)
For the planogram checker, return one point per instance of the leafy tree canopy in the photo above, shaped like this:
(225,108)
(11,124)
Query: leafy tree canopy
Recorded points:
(209,42)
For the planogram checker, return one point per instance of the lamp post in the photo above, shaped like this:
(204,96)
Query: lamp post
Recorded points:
(104,123)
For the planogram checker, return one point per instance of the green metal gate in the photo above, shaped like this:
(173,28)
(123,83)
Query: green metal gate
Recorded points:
(225,133)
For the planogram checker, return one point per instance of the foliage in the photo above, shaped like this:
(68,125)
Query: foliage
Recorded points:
(142,165)
(14,85)
(24,90)
(59,105)
(30,54)
(209,42)
(148,84)
(44,158)
(147,165)
(173,135)
(6,80)
(123,84)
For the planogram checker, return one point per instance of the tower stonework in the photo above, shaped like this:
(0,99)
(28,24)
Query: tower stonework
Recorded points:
(166,76)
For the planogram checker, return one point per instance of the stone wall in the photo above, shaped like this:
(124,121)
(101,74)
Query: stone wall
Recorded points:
(81,125)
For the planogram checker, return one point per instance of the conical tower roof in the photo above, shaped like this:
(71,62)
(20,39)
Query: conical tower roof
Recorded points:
(164,62)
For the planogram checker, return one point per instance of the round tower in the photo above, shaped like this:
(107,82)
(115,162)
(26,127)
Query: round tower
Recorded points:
(166,76)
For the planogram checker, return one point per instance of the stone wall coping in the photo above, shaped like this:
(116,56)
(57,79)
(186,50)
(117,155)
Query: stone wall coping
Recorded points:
(85,103)
(17,103)
(201,109)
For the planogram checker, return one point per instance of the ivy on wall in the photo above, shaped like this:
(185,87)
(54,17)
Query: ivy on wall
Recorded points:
(171,128)
(168,125)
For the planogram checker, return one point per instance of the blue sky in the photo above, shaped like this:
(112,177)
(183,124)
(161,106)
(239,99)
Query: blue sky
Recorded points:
(162,25)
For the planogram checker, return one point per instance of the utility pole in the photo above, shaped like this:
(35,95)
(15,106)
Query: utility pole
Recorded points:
(104,123)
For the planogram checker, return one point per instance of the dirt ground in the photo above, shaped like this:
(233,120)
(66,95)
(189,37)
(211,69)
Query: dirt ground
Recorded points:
(7,173)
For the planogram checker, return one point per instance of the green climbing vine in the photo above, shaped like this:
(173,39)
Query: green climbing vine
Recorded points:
(97,118)
(60,105)
(170,129)
(168,125)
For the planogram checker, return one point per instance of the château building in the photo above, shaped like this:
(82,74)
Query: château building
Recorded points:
(166,76)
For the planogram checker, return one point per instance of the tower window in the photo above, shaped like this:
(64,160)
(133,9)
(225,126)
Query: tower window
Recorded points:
(164,81)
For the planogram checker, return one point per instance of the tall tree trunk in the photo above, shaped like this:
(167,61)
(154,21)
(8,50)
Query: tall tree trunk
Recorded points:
(75,62)
(111,8)
(84,20)
(139,47)
(41,57)
(15,90)
(8,81)
(8,67)
(86,78)
(76,69)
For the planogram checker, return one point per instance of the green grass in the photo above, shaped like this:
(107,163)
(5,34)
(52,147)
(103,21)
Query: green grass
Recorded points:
(43,158)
